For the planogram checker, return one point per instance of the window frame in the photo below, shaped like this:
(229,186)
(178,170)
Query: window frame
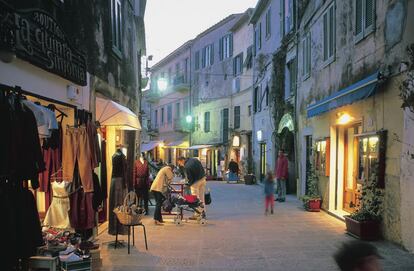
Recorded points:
(365,31)
(268,24)
(238,64)
(197,60)
(206,121)
(226,46)
(169,114)
(306,55)
(329,31)
(236,116)
(207,56)
(156,118)
(116,27)
(162,116)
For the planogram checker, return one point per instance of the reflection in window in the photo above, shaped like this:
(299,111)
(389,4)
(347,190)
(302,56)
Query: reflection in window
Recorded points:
(320,156)
(368,157)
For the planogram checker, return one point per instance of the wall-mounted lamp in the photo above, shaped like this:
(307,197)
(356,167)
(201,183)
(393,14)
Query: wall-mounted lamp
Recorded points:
(259,135)
(236,141)
(344,118)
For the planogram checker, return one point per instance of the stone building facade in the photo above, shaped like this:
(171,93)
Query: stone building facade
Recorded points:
(169,107)
(110,37)
(348,106)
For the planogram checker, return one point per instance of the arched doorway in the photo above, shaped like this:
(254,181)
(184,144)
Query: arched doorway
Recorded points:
(286,141)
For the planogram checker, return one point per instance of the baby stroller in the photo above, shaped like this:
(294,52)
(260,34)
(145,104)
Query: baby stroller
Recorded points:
(181,203)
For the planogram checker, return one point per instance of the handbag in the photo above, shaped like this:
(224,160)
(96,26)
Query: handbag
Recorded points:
(207,197)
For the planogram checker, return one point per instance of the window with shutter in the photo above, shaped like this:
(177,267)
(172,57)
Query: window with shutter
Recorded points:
(197,60)
(207,122)
(260,36)
(369,15)
(364,18)
(328,34)
(268,23)
(221,54)
(236,117)
(306,56)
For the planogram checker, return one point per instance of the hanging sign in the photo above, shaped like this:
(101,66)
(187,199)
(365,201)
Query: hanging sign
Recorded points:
(41,41)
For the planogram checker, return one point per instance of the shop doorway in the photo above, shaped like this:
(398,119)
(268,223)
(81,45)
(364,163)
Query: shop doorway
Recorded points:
(350,194)
(263,160)
(287,143)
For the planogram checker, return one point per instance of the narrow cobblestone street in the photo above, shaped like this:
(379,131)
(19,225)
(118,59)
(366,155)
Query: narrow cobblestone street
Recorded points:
(239,236)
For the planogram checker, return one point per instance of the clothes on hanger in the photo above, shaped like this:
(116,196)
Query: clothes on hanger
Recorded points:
(57,215)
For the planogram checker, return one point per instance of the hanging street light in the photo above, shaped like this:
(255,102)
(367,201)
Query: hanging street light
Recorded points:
(162,84)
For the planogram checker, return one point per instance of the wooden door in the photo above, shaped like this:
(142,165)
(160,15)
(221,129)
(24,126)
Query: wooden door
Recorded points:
(350,167)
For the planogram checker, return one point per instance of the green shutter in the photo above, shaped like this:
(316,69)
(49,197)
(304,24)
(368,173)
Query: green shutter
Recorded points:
(358,19)
(325,36)
(369,15)
(231,45)
(221,49)
(212,54)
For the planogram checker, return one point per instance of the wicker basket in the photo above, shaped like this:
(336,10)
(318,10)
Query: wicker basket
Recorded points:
(124,213)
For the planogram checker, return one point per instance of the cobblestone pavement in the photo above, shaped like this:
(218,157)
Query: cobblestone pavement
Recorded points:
(238,236)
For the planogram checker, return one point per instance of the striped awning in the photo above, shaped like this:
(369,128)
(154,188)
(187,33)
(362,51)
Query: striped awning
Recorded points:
(355,92)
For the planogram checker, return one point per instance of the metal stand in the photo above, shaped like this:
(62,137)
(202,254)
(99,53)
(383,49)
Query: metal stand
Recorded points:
(133,236)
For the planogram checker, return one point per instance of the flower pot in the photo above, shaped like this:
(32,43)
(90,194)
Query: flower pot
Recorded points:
(314,205)
(365,230)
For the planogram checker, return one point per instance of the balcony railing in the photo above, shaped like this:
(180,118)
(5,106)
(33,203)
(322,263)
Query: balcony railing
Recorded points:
(179,125)
(153,95)
(180,83)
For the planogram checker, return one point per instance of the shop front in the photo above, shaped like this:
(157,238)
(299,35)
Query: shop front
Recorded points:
(49,139)
(118,125)
(209,158)
(348,143)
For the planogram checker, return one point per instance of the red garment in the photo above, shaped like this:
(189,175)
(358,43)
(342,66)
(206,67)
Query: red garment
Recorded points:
(282,168)
(269,202)
(140,177)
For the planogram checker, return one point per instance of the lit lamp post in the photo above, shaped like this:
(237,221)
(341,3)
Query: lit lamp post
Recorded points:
(162,84)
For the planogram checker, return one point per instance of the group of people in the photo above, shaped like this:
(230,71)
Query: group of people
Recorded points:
(192,171)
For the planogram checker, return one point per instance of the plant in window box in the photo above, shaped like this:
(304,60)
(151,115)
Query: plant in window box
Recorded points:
(365,222)
(312,200)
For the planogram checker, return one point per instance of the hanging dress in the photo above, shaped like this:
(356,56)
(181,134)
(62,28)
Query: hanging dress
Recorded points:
(58,214)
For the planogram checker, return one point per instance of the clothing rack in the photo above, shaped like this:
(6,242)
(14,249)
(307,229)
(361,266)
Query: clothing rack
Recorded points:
(19,90)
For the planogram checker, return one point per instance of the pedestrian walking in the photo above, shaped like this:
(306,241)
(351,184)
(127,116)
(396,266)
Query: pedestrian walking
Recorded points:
(196,177)
(358,256)
(282,174)
(268,190)
(234,171)
(159,189)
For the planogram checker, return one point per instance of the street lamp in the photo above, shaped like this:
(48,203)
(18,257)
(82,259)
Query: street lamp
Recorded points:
(188,118)
(344,118)
(162,84)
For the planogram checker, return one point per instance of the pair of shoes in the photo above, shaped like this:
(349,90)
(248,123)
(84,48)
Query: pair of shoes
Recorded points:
(266,212)
(158,223)
(271,212)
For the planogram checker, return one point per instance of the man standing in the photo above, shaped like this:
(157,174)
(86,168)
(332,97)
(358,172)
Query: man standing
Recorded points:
(196,176)
(282,174)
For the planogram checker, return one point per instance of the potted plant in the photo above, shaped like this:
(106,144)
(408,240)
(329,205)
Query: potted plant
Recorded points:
(312,200)
(365,222)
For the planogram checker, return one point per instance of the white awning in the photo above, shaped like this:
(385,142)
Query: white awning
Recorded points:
(110,113)
(196,147)
(149,146)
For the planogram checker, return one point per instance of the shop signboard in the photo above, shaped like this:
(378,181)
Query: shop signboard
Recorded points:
(40,40)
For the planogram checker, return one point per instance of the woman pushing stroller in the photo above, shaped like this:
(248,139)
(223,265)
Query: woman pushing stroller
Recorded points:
(159,188)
